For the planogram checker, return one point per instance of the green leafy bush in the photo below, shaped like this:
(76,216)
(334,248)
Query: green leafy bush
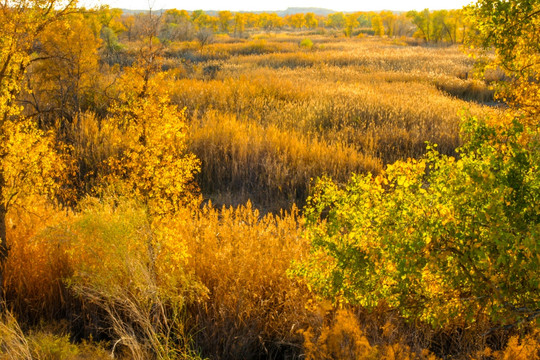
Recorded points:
(438,238)
(306,44)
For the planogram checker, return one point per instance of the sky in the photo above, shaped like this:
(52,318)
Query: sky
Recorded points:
(239,5)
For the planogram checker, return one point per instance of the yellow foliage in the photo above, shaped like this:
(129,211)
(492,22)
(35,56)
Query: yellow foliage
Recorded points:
(63,80)
(155,166)
(30,164)
(20,24)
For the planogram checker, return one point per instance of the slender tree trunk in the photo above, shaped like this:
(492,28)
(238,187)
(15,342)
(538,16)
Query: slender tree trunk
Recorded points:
(3,250)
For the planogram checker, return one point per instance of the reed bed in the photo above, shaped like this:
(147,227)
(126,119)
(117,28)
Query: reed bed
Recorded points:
(381,99)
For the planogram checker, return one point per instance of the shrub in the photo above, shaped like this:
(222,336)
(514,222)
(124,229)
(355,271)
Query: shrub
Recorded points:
(439,239)
(306,44)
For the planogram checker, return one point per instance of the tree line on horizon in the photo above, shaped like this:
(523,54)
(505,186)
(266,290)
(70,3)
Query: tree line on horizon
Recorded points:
(449,26)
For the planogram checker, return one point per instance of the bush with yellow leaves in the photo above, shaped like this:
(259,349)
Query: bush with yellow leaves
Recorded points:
(155,166)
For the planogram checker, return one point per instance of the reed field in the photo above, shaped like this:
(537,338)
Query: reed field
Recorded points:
(369,100)
(223,194)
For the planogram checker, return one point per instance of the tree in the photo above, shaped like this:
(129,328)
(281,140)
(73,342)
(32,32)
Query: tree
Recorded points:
(239,24)
(61,81)
(403,26)
(196,14)
(205,21)
(422,20)
(364,19)
(440,29)
(296,21)
(311,20)
(377,25)
(147,26)
(176,16)
(269,22)
(454,23)
(109,26)
(512,28)
(252,20)
(110,18)
(351,24)
(155,167)
(27,158)
(336,20)
(176,25)
(389,22)
(128,22)
(225,18)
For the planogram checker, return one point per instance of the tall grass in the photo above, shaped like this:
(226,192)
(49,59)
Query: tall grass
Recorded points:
(372,102)
(36,266)
(253,307)
(267,163)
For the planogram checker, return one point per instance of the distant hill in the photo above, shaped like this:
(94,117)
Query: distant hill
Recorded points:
(288,11)
(135,12)
(303,10)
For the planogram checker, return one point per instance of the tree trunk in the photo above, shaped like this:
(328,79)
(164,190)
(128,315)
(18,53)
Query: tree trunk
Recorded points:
(3,250)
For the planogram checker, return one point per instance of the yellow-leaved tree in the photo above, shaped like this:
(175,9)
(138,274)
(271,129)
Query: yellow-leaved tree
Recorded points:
(155,166)
(63,77)
(512,30)
(29,163)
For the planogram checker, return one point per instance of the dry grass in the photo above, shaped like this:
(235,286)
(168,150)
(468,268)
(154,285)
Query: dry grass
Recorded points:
(36,266)
(268,163)
(242,258)
(217,282)
(13,343)
(219,288)
(373,97)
